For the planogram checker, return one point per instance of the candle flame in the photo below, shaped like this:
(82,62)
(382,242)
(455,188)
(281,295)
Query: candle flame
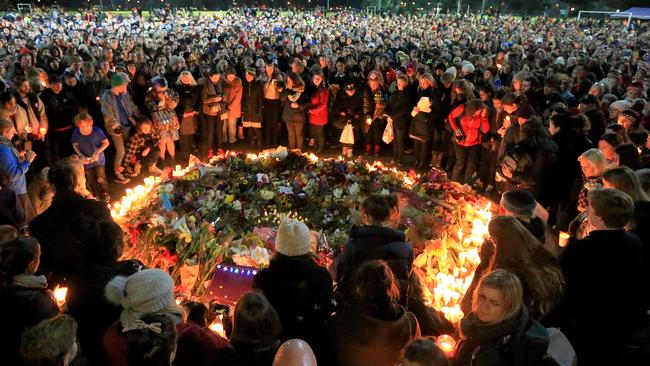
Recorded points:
(60,294)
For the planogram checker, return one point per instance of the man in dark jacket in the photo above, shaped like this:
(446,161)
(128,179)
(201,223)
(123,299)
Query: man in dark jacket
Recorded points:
(252,100)
(399,108)
(597,120)
(60,106)
(603,280)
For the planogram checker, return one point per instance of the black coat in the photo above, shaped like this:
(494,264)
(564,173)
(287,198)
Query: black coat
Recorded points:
(518,341)
(604,291)
(301,292)
(351,105)
(399,107)
(376,242)
(189,99)
(55,229)
(598,123)
(294,115)
(538,177)
(21,308)
(252,99)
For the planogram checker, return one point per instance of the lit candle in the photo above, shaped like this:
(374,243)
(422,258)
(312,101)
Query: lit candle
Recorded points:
(564,239)
(369,121)
(217,327)
(42,131)
(60,294)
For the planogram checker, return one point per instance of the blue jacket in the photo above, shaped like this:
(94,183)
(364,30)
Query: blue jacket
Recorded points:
(16,168)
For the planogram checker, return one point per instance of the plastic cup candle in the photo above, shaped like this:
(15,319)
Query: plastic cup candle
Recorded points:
(369,121)
(564,239)
(60,293)
(447,344)
(42,131)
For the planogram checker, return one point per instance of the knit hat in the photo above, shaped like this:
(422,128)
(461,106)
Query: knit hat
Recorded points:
(251,70)
(620,105)
(560,61)
(630,115)
(292,238)
(467,68)
(519,202)
(147,291)
(117,80)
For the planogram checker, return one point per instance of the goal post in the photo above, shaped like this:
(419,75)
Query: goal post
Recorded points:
(24,8)
(371,9)
(620,14)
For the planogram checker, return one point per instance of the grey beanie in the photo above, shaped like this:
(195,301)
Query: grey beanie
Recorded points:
(147,291)
(519,202)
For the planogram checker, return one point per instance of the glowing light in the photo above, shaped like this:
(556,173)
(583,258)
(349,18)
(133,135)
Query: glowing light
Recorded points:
(447,344)
(564,239)
(217,327)
(60,294)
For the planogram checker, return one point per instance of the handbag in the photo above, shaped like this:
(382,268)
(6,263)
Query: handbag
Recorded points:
(347,136)
(389,133)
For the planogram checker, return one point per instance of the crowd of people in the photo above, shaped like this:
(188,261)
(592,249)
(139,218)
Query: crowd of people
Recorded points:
(550,118)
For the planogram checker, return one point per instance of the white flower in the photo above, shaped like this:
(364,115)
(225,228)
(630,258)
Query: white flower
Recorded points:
(354,189)
(338,192)
(236,205)
(266,194)
(384,192)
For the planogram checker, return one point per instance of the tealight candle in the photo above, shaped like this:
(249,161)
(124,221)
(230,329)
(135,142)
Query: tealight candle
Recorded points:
(564,239)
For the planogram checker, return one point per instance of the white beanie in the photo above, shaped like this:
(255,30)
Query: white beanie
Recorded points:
(293,238)
(560,61)
(147,291)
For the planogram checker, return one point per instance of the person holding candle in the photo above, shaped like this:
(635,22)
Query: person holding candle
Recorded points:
(295,104)
(16,166)
(25,297)
(603,323)
(89,143)
(516,250)
(498,330)
(372,328)
(374,102)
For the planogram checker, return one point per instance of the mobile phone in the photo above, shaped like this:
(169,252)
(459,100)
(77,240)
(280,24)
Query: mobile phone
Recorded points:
(220,309)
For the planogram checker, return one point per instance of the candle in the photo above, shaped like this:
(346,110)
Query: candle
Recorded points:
(447,344)
(42,131)
(217,327)
(369,121)
(60,294)
(564,239)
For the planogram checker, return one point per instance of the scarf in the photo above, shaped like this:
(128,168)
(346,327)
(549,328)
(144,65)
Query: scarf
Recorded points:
(30,281)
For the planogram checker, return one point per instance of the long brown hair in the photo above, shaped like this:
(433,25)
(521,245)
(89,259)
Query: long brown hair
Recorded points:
(518,251)
(624,180)
(256,324)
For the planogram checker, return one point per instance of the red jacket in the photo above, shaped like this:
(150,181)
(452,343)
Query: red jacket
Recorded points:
(318,107)
(472,127)
(196,345)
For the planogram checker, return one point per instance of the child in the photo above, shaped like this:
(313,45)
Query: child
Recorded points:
(89,143)
(424,352)
(142,151)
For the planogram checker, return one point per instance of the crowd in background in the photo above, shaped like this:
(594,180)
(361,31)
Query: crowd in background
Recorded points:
(550,117)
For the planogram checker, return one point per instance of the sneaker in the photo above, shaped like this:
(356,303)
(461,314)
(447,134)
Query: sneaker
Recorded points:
(155,170)
(119,178)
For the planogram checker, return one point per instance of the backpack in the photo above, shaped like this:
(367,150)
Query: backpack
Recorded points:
(560,352)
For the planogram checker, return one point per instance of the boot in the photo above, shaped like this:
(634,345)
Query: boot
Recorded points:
(376,150)
(368,148)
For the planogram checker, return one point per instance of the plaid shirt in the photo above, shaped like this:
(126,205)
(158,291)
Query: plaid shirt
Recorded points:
(136,145)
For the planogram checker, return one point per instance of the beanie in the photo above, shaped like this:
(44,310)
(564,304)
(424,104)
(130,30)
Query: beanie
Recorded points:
(147,291)
(117,80)
(630,114)
(292,238)
(467,68)
(519,202)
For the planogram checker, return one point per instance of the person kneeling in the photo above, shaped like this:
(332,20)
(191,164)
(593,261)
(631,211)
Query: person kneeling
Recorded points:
(142,151)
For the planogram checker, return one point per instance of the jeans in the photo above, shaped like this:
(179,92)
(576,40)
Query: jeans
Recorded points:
(294,130)
(271,121)
(318,134)
(118,140)
(96,179)
(210,128)
(230,130)
(398,143)
(467,159)
(488,166)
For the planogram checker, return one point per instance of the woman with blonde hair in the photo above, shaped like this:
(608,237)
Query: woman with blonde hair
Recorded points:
(188,112)
(515,249)
(593,165)
(625,180)
(498,330)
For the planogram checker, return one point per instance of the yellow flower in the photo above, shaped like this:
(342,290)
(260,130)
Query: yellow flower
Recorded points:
(229,198)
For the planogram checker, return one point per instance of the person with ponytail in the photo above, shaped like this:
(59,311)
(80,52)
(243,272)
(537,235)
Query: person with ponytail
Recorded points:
(372,328)
(378,238)
(24,297)
(151,341)
(147,292)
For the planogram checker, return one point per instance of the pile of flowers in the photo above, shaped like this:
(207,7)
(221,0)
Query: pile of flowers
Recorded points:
(227,211)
